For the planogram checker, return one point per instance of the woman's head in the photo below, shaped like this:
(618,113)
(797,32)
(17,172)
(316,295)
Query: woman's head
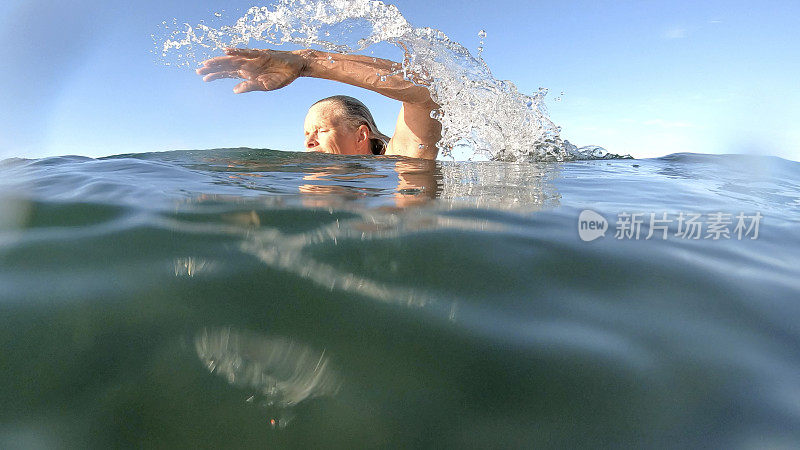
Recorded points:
(342,125)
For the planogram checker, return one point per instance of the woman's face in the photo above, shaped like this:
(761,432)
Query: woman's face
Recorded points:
(326,132)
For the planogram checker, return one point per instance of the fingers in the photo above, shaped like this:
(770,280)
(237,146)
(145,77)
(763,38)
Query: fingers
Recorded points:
(235,65)
(245,52)
(220,63)
(235,59)
(205,70)
(217,61)
(218,75)
(247,86)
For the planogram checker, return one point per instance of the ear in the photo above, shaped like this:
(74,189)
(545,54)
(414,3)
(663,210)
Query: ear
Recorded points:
(363,133)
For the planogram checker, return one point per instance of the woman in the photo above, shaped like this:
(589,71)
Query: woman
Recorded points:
(337,124)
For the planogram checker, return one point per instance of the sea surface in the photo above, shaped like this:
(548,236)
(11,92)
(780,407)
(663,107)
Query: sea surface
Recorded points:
(244,298)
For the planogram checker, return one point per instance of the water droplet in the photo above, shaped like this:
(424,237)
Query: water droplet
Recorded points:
(482,34)
(383,77)
(216,14)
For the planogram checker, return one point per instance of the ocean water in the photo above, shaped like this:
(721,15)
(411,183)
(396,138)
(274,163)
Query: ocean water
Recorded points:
(244,298)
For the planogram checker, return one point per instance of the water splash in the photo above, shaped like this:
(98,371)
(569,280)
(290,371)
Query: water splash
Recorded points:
(488,116)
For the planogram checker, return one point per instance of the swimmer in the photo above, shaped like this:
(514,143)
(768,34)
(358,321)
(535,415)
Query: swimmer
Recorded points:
(339,124)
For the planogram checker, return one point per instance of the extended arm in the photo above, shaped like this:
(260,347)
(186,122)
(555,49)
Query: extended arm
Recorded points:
(416,133)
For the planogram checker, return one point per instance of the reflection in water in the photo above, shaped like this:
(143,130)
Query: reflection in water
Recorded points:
(417,192)
(492,184)
(279,372)
(416,182)
(336,181)
(408,181)
(499,185)
(244,219)
(189,267)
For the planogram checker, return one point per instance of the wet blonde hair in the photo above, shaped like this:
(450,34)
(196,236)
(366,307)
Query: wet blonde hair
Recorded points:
(356,114)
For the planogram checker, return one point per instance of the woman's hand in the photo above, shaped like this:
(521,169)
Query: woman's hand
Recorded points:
(263,70)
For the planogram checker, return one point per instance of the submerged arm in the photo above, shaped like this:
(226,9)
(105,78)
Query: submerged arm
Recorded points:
(416,133)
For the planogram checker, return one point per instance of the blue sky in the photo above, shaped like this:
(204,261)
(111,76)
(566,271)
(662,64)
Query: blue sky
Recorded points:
(647,78)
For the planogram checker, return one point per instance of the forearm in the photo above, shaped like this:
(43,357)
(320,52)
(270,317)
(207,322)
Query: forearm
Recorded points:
(375,74)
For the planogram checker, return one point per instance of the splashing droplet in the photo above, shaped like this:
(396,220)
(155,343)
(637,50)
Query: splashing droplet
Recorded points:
(482,36)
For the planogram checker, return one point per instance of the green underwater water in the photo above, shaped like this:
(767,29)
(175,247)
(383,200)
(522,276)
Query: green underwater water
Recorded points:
(244,298)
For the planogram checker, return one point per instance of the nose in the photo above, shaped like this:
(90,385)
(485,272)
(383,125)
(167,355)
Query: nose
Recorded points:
(311,141)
